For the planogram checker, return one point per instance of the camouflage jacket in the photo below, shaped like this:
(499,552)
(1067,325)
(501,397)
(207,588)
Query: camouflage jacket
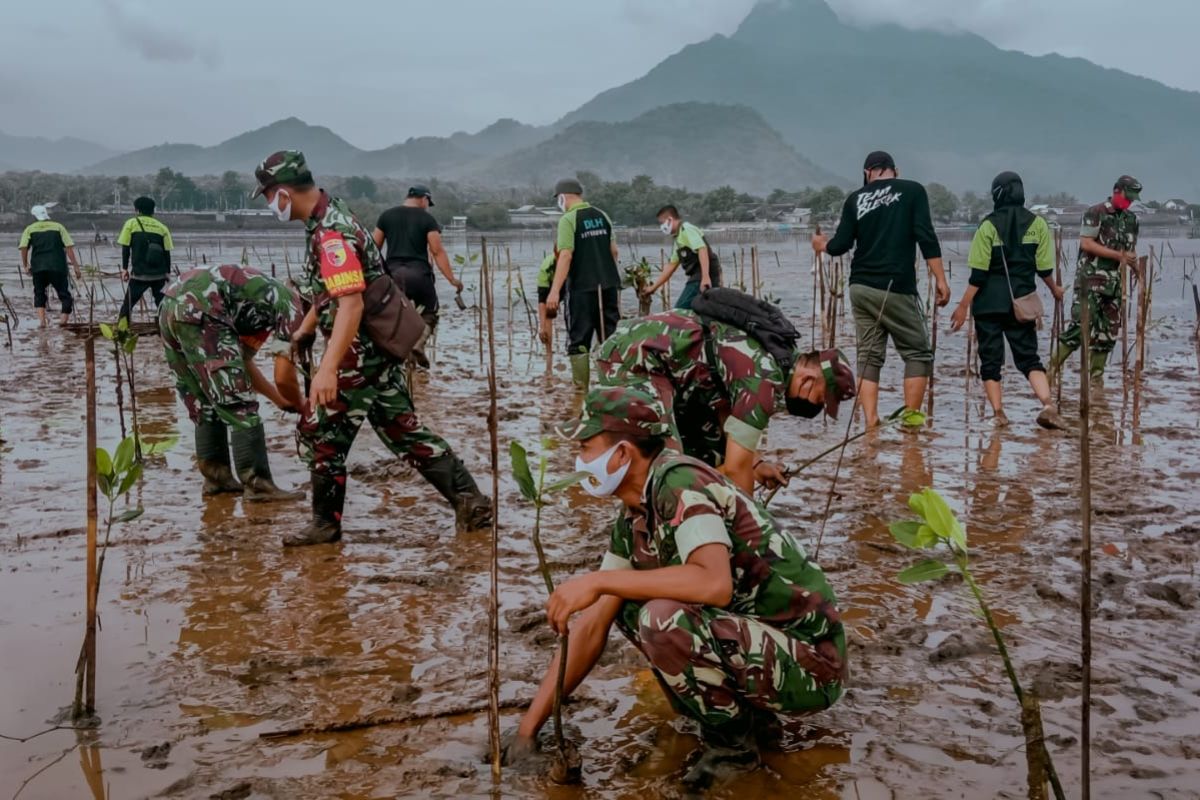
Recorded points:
(253,304)
(688,505)
(731,375)
(1117,230)
(342,259)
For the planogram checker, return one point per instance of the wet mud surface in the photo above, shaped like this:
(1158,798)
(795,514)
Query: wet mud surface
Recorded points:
(212,634)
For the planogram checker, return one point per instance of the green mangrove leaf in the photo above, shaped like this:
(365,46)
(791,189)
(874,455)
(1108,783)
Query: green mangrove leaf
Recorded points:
(106,331)
(130,479)
(942,520)
(123,458)
(565,483)
(129,515)
(929,570)
(916,502)
(159,447)
(521,473)
(123,324)
(104,482)
(104,465)
(130,344)
(905,532)
(926,537)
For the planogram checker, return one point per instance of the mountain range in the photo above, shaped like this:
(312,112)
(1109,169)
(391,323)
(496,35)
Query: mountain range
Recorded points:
(793,88)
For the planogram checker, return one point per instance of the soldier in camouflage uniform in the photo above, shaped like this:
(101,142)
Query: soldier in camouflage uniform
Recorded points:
(213,321)
(355,381)
(1107,240)
(720,386)
(739,626)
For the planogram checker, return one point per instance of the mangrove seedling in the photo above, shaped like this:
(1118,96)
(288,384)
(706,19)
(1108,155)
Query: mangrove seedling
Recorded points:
(637,277)
(116,475)
(124,343)
(567,767)
(939,531)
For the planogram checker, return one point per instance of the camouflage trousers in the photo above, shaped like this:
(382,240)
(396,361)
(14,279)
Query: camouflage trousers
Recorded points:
(718,667)
(210,371)
(1101,289)
(370,389)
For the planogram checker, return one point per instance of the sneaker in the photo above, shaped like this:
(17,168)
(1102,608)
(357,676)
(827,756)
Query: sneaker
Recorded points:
(1051,420)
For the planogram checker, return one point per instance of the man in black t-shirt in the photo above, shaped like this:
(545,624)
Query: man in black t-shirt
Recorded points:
(885,221)
(413,237)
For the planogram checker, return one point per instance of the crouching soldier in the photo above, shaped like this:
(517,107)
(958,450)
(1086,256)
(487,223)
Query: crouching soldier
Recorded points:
(739,627)
(213,322)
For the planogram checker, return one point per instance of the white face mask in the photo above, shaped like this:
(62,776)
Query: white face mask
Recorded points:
(666,227)
(283,214)
(562,203)
(600,482)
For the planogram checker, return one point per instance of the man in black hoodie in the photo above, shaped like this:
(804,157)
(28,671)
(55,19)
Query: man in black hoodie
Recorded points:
(885,221)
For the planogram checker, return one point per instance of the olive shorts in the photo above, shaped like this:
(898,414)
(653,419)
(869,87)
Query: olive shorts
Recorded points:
(899,316)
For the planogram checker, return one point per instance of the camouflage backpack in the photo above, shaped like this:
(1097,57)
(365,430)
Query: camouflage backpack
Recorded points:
(762,321)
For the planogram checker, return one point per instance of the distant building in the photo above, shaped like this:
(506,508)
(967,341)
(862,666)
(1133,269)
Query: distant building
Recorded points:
(532,216)
(1176,205)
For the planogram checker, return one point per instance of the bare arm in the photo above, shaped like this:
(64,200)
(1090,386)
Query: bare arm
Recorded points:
(260,382)
(705,279)
(25,258)
(74,259)
(561,268)
(739,465)
(346,319)
(941,287)
(438,252)
(379,239)
(1092,246)
(288,383)
(667,272)
(959,317)
(589,635)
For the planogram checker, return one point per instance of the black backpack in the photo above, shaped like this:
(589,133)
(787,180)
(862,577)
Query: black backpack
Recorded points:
(761,320)
(154,255)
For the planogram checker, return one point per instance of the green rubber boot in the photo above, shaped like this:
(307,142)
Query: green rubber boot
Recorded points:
(581,370)
(450,476)
(250,457)
(212,457)
(1097,364)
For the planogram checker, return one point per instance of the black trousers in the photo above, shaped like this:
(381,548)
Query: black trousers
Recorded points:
(992,330)
(61,282)
(590,312)
(415,279)
(137,288)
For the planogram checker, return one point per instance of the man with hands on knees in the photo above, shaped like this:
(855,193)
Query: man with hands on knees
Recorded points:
(740,628)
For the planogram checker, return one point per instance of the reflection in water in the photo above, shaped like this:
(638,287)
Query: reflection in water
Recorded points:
(93,770)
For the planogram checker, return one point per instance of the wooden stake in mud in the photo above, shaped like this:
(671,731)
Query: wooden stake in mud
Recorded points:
(494,596)
(967,371)
(85,683)
(1145,284)
(1085,593)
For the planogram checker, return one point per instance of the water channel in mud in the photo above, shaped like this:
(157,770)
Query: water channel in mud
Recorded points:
(213,634)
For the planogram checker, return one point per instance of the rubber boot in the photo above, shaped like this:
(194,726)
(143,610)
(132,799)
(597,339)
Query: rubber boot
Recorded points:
(1097,364)
(253,467)
(724,755)
(212,457)
(581,369)
(1057,359)
(419,357)
(328,499)
(448,474)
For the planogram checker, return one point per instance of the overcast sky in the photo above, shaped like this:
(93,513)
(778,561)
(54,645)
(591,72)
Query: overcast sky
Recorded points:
(130,73)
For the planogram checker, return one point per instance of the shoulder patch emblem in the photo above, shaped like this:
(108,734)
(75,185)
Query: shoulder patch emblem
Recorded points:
(335,252)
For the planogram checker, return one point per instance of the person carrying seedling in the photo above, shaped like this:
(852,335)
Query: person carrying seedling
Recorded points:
(356,380)
(699,261)
(1011,248)
(740,628)
(413,239)
(721,385)
(213,321)
(1107,240)
(586,271)
(146,247)
(46,247)
(545,279)
(885,221)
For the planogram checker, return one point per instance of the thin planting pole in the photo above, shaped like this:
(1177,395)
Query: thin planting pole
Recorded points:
(89,667)
(494,595)
(1085,593)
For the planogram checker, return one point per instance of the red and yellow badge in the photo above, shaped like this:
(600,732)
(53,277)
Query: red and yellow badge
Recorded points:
(340,268)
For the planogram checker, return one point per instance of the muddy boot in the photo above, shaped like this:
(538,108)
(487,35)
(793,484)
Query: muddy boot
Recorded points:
(212,457)
(472,509)
(581,369)
(328,498)
(1057,359)
(250,456)
(420,359)
(1097,364)
(1051,420)
(723,756)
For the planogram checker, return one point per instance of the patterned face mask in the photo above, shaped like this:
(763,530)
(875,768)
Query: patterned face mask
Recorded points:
(600,482)
(283,214)
(666,227)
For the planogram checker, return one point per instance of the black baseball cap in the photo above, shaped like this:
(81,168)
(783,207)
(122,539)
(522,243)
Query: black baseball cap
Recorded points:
(568,186)
(421,190)
(879,159)
(1130,185)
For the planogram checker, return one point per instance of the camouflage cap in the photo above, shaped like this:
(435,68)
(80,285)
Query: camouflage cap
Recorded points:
(283,168)
(839,379)
(618,409)
(1130,185)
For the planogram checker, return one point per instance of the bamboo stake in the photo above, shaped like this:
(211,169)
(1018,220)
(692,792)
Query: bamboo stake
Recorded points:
(1085,593)
(458,710)
(933,342)
(86,677)
(494,595)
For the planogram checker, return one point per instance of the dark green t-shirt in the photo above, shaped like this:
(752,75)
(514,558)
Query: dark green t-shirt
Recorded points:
(587,233)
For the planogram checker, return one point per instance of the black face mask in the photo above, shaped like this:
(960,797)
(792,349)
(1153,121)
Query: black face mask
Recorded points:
(801,407)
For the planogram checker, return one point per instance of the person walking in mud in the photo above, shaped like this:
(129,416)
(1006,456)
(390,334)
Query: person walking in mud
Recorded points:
(46,248)
(146,247)
(413,237)
(691,251)
(587,272)
(355,381)
(740,628)
(545,279)
(1011,249)
(1107,240)
(885,222)
(720,386)
(213,321)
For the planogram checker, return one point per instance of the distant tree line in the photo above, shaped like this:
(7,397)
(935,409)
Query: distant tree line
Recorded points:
(632,203)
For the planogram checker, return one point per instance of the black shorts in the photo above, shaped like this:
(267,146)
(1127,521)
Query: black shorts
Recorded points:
(992,330)
(586,318)
(61,282)
(415,278)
